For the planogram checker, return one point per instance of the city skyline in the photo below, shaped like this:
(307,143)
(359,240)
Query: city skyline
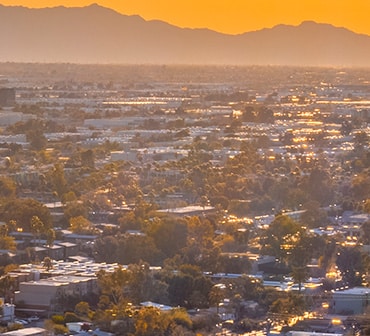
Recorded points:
(239,17)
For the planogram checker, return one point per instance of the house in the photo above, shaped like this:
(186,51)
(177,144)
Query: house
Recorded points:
(56,252)
(69,249)
(351,301)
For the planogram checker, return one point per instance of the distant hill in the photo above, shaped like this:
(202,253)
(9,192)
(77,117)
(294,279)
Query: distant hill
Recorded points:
(95,34)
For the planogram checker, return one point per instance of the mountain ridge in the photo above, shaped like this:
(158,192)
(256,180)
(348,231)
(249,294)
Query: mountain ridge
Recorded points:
(96,34)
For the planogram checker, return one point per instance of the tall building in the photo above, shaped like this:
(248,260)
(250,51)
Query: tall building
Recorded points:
(7,97)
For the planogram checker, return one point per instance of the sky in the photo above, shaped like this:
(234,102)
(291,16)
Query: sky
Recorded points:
(231,16)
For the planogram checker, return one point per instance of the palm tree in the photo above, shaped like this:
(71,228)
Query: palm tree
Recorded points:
(299,275)
(48,263)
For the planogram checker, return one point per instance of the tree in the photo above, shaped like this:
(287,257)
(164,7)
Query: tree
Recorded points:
(87,159)
(169,235)
(75,209)
(22,210)
(290,305)
(144,285)
(216,296)
(366,232)
(81,225)
(200,231)
(319,186)
(188,287)
(133,249)
(350,263)
(37,227)
(300,275)
(106,249)
(36,139)
(7,187)
(278,237)
(249,115)
(361,139)
(83,309)
(6,242)
(149,321)
(7,286)
(47,263)
(50,237)
(361,185)
(58,180)
(313,216)
(113,284)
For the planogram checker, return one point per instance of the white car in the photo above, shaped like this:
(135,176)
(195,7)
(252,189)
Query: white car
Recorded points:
(23,322)
(33,318)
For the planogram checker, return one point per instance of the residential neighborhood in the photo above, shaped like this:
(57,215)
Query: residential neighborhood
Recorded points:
(184,200)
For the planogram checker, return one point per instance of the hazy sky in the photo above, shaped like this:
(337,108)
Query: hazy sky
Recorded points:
(232,16)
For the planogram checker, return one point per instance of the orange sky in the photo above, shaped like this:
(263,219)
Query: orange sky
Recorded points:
(232,16)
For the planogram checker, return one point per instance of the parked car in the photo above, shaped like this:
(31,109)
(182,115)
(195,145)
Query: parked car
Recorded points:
(33,318)
(23,322)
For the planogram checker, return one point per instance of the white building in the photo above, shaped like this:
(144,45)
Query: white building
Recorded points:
(351,301)
(48,294)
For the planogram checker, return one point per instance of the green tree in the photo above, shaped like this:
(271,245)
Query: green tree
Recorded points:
(36,139)
(47,263)
(75,209)
(22,210)
(106,249)
(149,321)
(7,286)
(169,235)
(319,186)
(144,285)
(113,284)
(289,305)
(350,263)
(361,185)
(83,309)
(300,275)
(6,242)
(58,180)
(87,159)
(81,225)
(216,296)
(50,237)
(279,237)
(300,256)
(7,187)
(313,216)
(37,227)
(366,233)
(133,249)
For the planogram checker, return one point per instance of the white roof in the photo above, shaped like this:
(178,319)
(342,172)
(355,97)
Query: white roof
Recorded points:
(26,332)
(354,291)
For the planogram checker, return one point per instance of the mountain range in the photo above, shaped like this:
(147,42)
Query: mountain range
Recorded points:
(96,34)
